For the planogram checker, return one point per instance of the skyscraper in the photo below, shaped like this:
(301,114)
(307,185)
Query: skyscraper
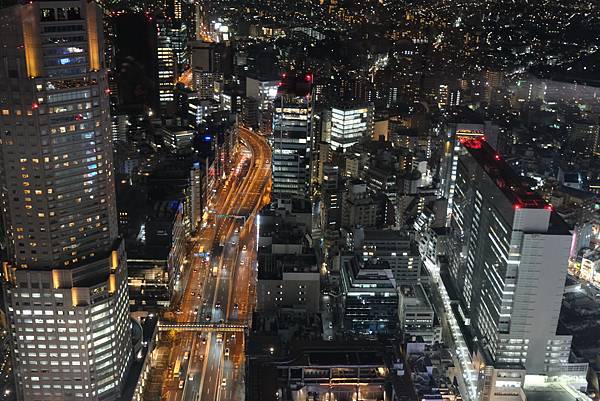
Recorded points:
(508,262)
(167,57)
(65,277)
(291,145)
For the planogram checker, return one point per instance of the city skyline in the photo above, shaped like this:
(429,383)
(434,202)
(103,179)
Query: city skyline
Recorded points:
(300,200)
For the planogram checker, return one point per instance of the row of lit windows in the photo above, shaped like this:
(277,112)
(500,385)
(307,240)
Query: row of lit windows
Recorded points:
(74,339)
(51,346)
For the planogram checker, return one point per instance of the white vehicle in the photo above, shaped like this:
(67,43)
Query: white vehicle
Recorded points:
(219,337)
(226,351)
(224,382)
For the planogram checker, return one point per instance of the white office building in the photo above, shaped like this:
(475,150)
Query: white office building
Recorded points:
(508,253)
(348,124)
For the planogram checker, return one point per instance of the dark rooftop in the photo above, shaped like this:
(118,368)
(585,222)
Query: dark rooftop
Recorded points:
(272,266)
(340,354)
(513,185)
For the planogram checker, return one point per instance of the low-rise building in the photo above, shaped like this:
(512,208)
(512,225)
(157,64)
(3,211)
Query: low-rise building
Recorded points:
(359,208)
(590,267)
(324,371)
(369,296)
(288,280)
(178,138)
(416,315)
(397,248)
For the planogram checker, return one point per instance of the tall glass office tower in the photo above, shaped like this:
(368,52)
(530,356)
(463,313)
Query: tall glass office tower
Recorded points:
(65,275)
(291,141)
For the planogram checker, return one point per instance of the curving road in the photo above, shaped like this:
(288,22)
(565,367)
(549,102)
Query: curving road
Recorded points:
(222,285)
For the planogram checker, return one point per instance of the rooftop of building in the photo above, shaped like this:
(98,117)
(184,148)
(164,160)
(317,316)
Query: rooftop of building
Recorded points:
(340,354)
(514,186)
(464,115)
(347,105)
(273,266)
(282,233)
(385,235)
(373,271)
(292,204)
(416,293)
(550,392)
(289,324)
(592,255)
(264,76)
(575,193)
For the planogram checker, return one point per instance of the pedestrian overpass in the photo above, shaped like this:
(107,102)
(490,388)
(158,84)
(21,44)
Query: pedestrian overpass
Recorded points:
(202,327)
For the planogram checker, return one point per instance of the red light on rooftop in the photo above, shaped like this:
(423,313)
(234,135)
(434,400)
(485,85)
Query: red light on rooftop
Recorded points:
(497,156)
(284,75)
(472,143)
(517,206)
(308,77)
(107,91)
(549,207)
(35,106)
(482,138)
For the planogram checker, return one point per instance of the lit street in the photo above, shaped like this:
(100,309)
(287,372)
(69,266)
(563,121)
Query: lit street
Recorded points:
(221,284)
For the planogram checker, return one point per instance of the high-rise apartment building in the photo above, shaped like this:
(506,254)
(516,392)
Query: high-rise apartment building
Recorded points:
(65,276)
(508,262)
(291,140)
